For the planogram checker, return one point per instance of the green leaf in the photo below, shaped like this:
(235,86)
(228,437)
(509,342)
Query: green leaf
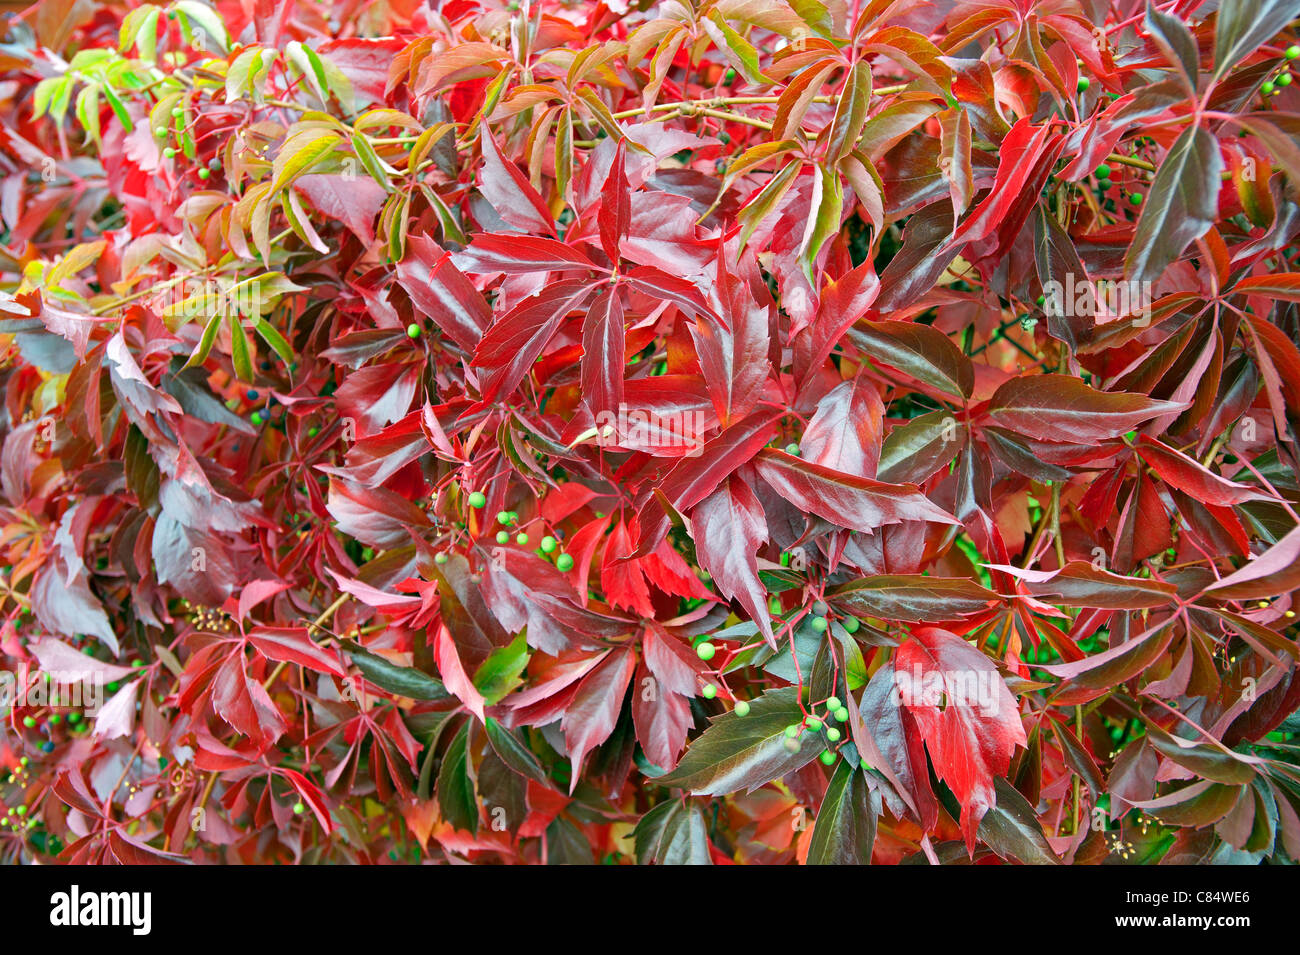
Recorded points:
(739,52)
(500,672)
(514,753)
(923,352)
(1011,828)
(204,346)
(1183,204)
(850,113)
(745,752)
(1244,25)
(767,199)
(1176,42)
(206,19)
(403,681)
(672,833)
(288,168)
(455,788)
(240,348)
(271,335)
(88,110)
(828,205)
(119,109)
(846,822)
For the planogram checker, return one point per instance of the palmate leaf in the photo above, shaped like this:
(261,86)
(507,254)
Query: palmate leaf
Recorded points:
(451,251)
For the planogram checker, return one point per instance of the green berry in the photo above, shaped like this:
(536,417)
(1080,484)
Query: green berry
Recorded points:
(521,539)
(1104,184)
(169,152)
(177,112)
(503,537)
(1266,88)
(792,448)
(815,724)
(74,718)
(160,131)
(477,500)
(29,721)
(564,563)
(1135,198)
(214,164)
(1284,79)
(706,650)
(204,174)
(827,758)
(833,735)
(742,708)
(298,808)
(1103,171)
(549,544)
(23,761)
(710,691)
(819,608)
(1292,52)
(833,703)
(1084,83)
(55,719)
(791,745)
(851,624)
(21,811)
(792,731)
(412,330)
(113,687)
(503,517)
(842,714)
(313,431)
(440,558)
(256,417)
(819,624)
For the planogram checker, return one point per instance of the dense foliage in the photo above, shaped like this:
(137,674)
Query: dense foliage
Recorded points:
(746,431)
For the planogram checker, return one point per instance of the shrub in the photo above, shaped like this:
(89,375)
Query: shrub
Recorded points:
(568,432)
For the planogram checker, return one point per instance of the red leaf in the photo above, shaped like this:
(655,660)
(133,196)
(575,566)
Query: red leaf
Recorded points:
(351,200)
(602,354)
(292,645)
(845,431)
(521,255)
(591,716)
(968,717)
(517,338)
(1180,471)
(453,672)
(615,216)
(621,578)
(1061,408)
(440,291)
(509,191)
(728,527)
(662,718)
(850,501)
